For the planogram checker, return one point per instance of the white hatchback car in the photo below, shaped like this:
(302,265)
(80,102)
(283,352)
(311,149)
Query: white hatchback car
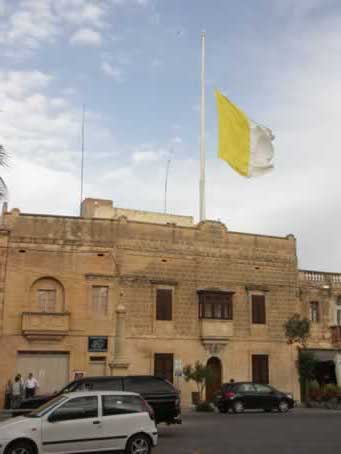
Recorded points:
(80,422)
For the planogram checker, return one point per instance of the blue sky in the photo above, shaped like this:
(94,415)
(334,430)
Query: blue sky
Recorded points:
(136,66)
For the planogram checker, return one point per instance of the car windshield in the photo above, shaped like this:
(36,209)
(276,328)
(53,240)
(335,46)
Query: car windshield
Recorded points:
(43,409)
(71,387)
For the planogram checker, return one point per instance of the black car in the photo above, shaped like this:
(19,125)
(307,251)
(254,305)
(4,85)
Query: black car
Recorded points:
(161,395)
(245,395)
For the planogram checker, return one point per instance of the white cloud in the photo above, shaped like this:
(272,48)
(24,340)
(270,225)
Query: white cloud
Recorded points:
(42,189)
(123,173)
(86,37)
(113,72)
(81,12)
(29,24)
(16,84)
(146,153)
(46,129)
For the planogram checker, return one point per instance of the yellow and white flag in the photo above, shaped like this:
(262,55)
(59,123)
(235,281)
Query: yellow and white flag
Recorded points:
(244,144)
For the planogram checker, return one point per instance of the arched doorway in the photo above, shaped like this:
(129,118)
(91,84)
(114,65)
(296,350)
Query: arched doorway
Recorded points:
(214,364)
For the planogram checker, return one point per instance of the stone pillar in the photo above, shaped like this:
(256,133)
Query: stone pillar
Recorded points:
(119,365)
(337,361)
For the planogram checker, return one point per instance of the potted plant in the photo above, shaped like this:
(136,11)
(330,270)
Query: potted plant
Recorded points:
(201,375)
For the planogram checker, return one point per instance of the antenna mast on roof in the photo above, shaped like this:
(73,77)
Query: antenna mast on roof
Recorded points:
(82,160)
(166,182)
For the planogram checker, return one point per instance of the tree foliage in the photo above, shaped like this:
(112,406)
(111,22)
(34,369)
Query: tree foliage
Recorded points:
(306,370)
(306,365)
(297,330)
(200,374)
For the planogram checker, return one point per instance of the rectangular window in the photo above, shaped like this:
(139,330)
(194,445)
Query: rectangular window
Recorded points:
(147,385)
(99,303)
(47,300)
(258,309)
(120,405)
(163,366)
(164,304)
(216,305)
(77,408)
(260,369)
(314,312)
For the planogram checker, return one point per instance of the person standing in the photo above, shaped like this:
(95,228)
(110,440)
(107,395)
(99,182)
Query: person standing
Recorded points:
(8,394)
(31,386)
(17,393)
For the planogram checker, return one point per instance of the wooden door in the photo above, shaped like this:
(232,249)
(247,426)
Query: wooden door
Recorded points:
(214,384)
(260,369)
(163,366)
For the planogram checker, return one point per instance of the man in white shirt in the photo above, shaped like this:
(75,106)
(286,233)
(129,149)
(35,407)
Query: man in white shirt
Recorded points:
(31,386)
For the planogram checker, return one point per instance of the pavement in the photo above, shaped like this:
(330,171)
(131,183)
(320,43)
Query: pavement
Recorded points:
(301,431)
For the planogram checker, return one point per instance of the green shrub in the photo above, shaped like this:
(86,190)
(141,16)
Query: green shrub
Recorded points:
(204,406)
(314,391)
(313,385)
(331,391)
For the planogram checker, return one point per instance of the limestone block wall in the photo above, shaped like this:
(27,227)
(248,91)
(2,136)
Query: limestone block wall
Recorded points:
(132,258)
(325,289)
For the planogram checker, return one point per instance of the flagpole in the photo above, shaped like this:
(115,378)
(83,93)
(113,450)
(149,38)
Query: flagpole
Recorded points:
(202,131)
(82,161)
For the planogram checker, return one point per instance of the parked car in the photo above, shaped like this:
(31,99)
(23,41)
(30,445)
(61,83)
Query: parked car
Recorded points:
(161,395)
(82,422)
(245,395)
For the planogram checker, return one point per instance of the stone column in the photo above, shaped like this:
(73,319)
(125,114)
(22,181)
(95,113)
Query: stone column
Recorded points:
(120,364)
(337,362)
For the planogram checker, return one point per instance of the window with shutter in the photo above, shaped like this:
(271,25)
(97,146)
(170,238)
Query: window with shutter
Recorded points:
(47,300)
(258,309)
(163,366)
(99,300)
(260,369)
(164,304)
(314,312)
(215,305)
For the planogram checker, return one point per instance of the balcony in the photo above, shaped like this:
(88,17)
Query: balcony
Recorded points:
(45,325)
(336,335)
(215,334)
(320,277)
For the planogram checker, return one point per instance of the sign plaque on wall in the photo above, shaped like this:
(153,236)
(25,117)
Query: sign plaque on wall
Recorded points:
(97,344)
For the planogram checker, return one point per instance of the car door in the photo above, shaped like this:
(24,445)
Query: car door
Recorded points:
(246,392)
(265,396)
(122,416)
(74,426)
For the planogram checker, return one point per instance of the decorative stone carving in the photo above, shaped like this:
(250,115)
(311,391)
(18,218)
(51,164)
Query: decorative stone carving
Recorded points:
(214,348)
(212,226)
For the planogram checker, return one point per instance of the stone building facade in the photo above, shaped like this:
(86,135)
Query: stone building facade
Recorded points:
(125,292)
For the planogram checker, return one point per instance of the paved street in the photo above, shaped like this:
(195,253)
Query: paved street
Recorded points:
(301,431)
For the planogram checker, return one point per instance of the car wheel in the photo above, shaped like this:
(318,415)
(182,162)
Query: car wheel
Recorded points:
(20,447)
(283,406)
(222,410)
(139,444)
(238,407)
(267,410)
